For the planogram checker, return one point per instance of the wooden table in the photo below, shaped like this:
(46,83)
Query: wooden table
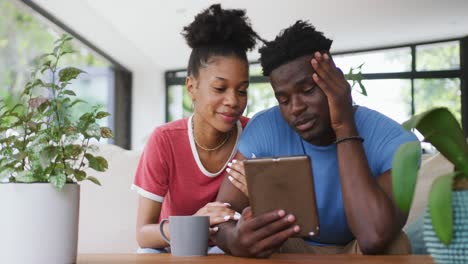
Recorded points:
(278,258)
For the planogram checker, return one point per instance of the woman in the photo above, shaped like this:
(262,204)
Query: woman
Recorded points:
(185,161)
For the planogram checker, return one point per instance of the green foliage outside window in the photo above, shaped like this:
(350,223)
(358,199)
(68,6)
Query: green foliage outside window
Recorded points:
(23,37)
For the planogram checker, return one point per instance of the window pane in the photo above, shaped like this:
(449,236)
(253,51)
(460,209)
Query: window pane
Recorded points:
(429,93)
(390,97)
(179,102)
(95,88)
(23,37)
(261,96)
(390,60)
(256,69)
(439,56)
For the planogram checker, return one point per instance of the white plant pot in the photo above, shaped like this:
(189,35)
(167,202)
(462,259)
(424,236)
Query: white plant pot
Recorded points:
(38,223)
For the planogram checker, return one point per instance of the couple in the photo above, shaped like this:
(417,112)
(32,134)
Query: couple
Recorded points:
(194,166)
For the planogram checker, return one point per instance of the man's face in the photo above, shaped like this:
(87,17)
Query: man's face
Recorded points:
(301,101)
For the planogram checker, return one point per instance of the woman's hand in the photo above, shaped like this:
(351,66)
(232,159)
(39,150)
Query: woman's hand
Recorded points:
(236,175)
(218,212)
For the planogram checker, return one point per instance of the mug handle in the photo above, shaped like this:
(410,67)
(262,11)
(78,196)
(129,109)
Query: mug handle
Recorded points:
(161,231)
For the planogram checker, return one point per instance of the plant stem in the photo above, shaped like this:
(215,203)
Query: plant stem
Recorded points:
(84,153)
(25,127)
(61,143)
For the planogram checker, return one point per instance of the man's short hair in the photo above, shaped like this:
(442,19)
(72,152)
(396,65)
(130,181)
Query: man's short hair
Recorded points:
(298,40)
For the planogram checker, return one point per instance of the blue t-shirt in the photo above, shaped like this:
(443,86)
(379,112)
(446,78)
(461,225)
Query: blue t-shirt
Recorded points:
(268,135)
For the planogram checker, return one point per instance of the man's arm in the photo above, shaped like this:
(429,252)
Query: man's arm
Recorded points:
(369,206)
(251,236)
(370,209)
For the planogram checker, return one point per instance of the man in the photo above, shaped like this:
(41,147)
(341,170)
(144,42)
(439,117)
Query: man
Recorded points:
(351,149)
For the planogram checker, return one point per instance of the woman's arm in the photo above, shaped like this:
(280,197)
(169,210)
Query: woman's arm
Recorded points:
(148,235)
(147,231)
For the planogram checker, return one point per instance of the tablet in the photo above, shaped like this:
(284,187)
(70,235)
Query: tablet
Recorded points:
(284,183)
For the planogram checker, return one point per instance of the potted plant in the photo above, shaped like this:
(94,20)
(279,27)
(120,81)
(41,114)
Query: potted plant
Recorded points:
(445,232)
(44,152)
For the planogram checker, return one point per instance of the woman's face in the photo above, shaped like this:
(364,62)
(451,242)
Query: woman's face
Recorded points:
(219,93)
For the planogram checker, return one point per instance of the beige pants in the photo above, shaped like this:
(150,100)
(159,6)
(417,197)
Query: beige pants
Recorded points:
(399,246)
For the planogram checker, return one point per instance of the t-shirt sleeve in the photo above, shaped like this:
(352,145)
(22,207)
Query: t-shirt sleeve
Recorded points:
(388,137)
(152,174)
(254,141)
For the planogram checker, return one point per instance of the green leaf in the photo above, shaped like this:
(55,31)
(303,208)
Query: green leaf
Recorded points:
(363,89)
(47,63)
(66,52)
(43,107)
(94,180)
(405,167)
(440,207)
(102,114)
(69,92)
(93,131)
(70,130)
(27,177)
(64,38)
(47,155)
(79,175)
(77,101)
(56,49)
(58,180)
(106,132)
(73,150)
(6,170)
(69,73)
(97,163)
(87,117)
(441,129)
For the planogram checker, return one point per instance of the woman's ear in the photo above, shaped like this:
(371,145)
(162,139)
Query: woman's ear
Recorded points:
(191,84)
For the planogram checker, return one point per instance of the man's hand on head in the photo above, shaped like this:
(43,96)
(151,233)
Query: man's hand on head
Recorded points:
(337,89)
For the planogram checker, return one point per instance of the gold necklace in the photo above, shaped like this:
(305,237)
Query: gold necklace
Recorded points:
(209,149)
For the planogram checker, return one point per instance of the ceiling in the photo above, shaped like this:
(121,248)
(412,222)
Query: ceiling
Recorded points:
(152,27)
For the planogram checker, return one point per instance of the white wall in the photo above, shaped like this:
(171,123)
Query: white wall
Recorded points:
(148,106)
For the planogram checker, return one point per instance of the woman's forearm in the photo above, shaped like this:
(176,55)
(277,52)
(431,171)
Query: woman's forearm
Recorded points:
(148,236)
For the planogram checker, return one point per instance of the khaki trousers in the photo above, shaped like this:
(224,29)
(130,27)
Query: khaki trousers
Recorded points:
(399,246)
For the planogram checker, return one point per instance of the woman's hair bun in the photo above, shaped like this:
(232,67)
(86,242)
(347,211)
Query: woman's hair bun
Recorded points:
(216,26)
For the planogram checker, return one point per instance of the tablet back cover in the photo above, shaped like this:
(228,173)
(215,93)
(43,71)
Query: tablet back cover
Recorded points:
(284,183)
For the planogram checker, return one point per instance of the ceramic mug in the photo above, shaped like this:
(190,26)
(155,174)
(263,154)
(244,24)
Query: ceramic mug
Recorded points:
(189,235)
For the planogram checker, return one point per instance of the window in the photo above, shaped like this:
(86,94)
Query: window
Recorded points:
(389,60)
(438,56)
(431,93)
(400,81)
(395,102)
(24,35)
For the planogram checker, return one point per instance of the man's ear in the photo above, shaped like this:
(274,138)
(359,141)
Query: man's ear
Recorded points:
(191,84)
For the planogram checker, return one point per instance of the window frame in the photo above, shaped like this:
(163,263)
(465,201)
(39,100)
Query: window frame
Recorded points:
(173,77)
